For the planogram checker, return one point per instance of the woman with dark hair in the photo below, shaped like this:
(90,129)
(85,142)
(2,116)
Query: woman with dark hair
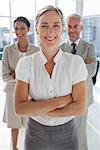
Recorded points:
(11,54)
(56,82)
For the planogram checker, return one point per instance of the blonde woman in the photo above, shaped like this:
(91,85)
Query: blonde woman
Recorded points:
(56,85)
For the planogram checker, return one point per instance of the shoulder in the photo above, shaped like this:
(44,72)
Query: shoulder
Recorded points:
(71,57)
(74,63)
(63,45)
(26,60)
(9,48)
(72,60)
(33,47)
(25,64)
(88,44)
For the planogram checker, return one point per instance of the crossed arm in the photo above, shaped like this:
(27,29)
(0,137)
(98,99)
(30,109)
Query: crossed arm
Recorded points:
(78,104)
(72,104)
(8,74)
(91,61)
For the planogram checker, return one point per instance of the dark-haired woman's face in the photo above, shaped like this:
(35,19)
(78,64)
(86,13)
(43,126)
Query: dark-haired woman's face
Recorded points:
(21,30)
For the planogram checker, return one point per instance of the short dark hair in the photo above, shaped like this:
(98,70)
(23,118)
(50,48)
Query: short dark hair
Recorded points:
(23,19)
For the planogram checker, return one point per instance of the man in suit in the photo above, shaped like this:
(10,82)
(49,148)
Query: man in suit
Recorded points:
(86,50)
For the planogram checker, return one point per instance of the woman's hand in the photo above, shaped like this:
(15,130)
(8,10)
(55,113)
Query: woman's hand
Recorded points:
(12,73)
(64,100)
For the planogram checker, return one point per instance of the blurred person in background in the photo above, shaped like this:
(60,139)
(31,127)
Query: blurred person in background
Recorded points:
(11,55)
(77,46)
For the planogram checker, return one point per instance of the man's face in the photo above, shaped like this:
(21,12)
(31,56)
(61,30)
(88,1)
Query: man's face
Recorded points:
(74,28)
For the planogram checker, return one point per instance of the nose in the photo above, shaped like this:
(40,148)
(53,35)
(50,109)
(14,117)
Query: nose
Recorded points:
(19,30)
(72,29)
(50,30)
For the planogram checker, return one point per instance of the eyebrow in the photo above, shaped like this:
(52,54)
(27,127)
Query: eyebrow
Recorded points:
(58,22)
(73,26)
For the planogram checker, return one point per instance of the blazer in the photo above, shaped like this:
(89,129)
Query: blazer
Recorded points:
(85,50)
(9,61)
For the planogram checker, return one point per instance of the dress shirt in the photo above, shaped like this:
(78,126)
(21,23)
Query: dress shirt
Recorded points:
(73,51)
(76,42)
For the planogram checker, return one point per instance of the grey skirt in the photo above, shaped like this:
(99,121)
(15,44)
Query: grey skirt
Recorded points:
(41,137)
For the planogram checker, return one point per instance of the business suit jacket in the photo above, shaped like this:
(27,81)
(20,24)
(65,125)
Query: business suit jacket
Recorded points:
(9,62)
(85,50)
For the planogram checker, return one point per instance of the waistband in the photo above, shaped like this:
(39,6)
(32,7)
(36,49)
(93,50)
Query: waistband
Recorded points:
(34,124)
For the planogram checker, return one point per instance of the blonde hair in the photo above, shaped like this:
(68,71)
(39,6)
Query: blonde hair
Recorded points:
(49,8)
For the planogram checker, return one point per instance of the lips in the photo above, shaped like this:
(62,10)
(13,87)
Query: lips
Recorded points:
(20,35)
(50,38)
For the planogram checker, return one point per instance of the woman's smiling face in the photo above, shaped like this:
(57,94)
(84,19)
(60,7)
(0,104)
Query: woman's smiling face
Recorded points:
(21,30)
(49,29)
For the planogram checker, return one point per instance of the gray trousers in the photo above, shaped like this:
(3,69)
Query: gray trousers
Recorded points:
(41,137)
(82,129)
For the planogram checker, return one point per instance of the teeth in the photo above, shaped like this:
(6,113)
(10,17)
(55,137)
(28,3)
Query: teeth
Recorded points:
(20,35)
(50,39)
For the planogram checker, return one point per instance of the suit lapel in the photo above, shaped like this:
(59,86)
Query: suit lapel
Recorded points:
(16,53)
(80,49)
(66,47)
(28,49)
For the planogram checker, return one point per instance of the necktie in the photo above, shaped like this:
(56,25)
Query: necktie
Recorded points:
(73,51)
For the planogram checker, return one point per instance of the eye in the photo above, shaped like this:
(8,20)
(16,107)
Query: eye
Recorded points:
(22,28)
(44,26)
(69,27)
(56,25)
(16,28)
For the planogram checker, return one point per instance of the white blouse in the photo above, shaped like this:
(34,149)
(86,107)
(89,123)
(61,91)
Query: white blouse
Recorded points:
(69,69)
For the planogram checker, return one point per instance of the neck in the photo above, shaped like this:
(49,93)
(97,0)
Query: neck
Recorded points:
(50,53)
(22,46)
(74,40)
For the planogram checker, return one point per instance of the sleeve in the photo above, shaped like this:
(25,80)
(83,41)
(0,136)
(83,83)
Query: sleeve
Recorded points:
(80,72)
(92,55)
(6,76)
(23,69)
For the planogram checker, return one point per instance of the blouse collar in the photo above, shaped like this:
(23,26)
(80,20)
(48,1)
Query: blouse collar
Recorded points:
(56,58)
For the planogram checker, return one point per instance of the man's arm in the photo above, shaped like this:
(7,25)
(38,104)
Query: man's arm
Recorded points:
(91,61)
